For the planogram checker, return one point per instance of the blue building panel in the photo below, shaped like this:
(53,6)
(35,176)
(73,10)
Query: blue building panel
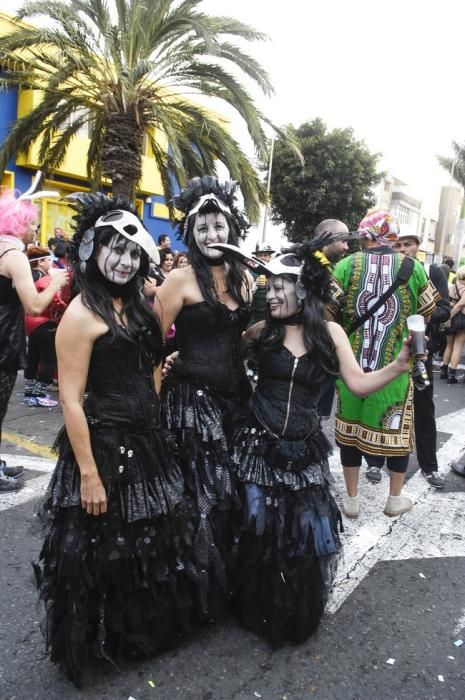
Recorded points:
(23,176)
(158,226)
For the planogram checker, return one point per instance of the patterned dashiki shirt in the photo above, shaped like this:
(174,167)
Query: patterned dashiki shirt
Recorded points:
(382,423)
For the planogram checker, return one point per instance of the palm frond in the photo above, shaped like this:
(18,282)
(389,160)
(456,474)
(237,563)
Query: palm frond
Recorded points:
(136,61)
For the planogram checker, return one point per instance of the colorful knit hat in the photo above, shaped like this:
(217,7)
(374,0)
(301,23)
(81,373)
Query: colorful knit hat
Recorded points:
(379,225)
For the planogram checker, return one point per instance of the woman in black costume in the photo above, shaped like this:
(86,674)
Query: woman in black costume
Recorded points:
(289,536)
(209,302)
(112,567)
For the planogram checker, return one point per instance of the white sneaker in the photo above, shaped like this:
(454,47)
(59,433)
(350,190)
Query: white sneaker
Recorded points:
(395,505)
(351,506)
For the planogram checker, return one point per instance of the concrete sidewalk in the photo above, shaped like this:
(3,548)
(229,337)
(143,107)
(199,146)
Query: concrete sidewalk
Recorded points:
(30,431)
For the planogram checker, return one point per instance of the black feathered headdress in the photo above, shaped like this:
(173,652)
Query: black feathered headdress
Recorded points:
(97,212)
(205,192)
(315,277)
(90,206)
(298,260)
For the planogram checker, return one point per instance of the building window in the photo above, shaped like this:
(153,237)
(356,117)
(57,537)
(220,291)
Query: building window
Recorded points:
(403,215)
(423,224)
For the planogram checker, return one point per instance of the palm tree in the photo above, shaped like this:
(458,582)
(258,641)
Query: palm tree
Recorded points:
(455,166)
(126,67)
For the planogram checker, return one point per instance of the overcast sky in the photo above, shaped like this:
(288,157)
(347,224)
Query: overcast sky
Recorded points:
(394,71)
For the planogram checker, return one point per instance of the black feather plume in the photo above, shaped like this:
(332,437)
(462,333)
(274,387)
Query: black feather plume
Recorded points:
(207,184)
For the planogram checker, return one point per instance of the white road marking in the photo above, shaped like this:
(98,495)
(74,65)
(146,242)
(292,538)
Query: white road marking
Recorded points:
(33,488)
(434,528)
(460,625)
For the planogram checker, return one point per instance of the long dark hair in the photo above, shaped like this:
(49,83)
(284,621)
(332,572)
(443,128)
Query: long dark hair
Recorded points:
(315,283)
(236,279)
(97,292)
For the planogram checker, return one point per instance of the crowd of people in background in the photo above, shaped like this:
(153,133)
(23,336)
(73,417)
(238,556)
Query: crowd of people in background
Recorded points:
(168,506)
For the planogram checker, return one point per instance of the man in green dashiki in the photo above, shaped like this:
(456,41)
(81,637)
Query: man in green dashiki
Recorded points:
(380,424)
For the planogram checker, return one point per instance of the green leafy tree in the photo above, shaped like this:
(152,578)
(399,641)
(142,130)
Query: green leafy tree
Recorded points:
(126,67)
(336,180)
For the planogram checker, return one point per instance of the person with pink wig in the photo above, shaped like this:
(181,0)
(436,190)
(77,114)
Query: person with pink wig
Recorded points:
(18,224)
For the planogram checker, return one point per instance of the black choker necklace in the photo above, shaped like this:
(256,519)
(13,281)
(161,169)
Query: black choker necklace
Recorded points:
(215,262)
(294,320)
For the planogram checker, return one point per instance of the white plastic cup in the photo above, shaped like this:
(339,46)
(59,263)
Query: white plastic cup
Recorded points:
(416,327)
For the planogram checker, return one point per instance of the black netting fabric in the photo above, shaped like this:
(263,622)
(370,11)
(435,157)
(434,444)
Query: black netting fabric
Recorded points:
(287,541)
(122,584)
(199,421)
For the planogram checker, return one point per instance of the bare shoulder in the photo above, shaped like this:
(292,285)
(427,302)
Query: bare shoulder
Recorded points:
(177,279)
(336,332)
(181,275)
(14,260)
(78,320)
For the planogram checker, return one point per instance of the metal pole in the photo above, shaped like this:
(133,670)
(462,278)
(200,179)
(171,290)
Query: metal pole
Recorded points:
(446,214)
(268,187)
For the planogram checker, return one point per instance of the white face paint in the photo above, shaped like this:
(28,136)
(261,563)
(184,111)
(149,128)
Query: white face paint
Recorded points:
(210,228)
(281,297)
(119,260)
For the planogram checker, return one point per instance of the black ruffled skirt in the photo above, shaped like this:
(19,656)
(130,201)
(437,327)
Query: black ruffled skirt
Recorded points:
(199,420)
(457,324)
(120,584)
(288,543)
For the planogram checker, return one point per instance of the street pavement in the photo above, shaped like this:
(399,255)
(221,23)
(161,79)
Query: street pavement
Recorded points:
(393,624)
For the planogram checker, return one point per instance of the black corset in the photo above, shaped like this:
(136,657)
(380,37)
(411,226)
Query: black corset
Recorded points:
(286,397)
(209,343)
(120,381)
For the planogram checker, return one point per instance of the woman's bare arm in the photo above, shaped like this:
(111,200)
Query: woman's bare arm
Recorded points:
(76,334)
(355,379)
(18,269)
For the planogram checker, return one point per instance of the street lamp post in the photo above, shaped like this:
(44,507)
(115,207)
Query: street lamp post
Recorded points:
(268,187)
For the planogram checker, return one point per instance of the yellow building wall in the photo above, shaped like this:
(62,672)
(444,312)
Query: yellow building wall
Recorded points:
(74,164)
(8,179)
(56,212)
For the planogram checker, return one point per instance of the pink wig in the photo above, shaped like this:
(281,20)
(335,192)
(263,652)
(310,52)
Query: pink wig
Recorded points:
(15,214)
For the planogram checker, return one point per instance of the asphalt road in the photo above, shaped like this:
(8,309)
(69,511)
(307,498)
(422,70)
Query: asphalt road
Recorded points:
(396,611)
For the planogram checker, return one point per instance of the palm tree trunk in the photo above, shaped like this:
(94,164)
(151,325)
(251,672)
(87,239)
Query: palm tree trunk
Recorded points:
(122,153)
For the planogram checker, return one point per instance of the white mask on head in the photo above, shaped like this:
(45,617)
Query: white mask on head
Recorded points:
(118,260)
(281,297)
(210,228)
